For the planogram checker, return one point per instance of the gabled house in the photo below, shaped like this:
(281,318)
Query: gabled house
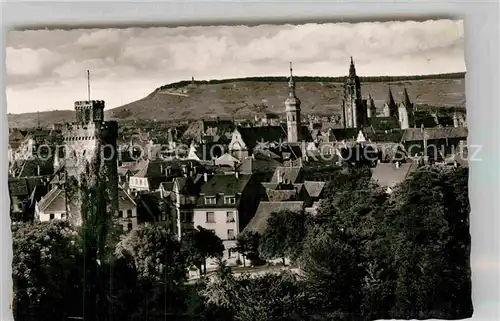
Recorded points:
(127,211)
(53,206)
(148,174)
(226,203)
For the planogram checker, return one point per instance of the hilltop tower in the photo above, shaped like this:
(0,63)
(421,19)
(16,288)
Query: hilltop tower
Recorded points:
(353,105)
(90,157)
(292,110)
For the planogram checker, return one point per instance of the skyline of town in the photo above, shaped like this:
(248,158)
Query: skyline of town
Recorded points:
(128,64)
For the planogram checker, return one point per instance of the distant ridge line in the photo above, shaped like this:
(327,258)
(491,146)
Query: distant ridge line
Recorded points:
(183,83)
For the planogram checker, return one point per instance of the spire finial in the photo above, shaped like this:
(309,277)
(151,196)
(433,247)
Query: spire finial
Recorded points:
(88,83)
(291,70)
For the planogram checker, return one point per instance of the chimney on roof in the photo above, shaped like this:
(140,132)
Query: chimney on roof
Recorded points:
(422,127)
(205,177)
(397,164)
(237,174)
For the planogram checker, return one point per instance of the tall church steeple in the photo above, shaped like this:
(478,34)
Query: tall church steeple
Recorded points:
(371,111)
(292,110)
(355,109)
(390,108)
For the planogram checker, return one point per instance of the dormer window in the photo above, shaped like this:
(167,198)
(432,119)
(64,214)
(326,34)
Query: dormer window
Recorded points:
(229,200)
(210,200)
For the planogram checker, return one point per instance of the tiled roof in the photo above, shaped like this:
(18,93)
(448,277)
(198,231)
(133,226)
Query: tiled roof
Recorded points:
(167,186)
(252,136)
(412,134)
(54,201)
(445,132)
(388,175)
(417,134)
(222,185)
(226,159)
(29,167)
(313,188)
(281,195)
(186,186)
(259,222)
(391,136)
(258,163)
(287,174)
(345,134)
(125,201)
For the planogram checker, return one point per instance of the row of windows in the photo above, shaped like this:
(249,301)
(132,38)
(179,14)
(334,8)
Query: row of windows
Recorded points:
(138,181)
(121,214)
(230,234)
(210,216)
(80,138)
(212,200)
(187,217)
(52,216)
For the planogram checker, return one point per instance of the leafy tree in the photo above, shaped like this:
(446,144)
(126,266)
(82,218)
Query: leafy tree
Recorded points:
(155,253)
(247,243)
(44,256)
(331,268)
(283,235)
(266,297)
(200,244)
(430,245)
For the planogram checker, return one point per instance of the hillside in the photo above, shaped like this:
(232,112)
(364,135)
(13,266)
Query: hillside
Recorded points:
(242,98)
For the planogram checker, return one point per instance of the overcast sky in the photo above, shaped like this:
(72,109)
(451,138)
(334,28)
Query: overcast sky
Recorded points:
(47,68)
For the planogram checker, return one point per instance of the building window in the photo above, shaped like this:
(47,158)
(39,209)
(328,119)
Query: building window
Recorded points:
(129,213)
(129,226)
(229,200)
(51,216)
(230,234)
(120,213)
(210,200)
(210,217)
(229,217)
(63,216)
(187,217)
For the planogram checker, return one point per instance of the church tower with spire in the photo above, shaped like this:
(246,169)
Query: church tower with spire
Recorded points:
(405,112)
(390,107)
(292,110)
(355,109)
(371,111)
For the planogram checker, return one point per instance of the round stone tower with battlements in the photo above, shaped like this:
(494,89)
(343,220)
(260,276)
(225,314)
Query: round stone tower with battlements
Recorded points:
(90,157)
